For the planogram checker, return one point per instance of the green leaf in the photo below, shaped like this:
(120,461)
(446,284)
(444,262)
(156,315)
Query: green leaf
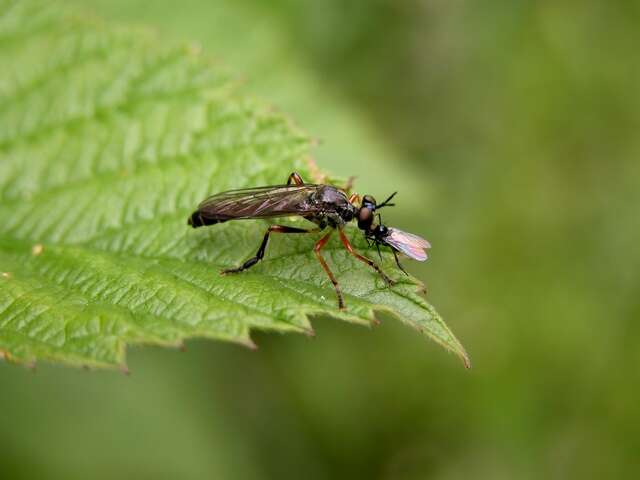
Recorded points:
(108,140)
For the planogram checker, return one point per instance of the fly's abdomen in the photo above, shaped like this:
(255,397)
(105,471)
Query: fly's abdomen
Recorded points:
(198,219)
(264,202)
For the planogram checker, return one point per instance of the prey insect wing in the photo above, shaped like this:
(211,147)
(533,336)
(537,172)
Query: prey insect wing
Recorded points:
(411,245)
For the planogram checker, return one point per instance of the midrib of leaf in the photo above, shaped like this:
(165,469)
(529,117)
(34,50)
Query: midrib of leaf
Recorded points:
(115,262)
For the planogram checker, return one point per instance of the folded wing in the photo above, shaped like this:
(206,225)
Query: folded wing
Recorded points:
(261,202)
(409,244)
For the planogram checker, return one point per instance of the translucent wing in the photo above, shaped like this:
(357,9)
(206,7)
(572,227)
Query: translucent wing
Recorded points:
(260,202)
(411,245)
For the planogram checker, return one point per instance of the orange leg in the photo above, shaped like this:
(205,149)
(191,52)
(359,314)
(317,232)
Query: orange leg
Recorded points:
(319,244)
(372,264)
(295,178)
(354,198)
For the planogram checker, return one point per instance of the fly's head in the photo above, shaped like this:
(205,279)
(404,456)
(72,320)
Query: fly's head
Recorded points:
(366,212)
(378,234)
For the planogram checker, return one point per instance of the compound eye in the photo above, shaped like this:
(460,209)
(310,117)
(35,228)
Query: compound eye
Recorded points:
(365,218)
(364,215)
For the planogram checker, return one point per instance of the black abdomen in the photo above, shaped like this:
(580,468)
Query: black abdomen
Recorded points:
(197,219)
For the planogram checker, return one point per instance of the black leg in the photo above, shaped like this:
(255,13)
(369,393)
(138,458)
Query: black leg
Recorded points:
(398,263)
(260,253)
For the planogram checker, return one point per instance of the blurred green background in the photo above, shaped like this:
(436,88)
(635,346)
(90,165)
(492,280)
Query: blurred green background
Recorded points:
(512,131)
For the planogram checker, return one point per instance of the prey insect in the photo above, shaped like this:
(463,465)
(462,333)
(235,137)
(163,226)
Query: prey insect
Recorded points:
(327,206)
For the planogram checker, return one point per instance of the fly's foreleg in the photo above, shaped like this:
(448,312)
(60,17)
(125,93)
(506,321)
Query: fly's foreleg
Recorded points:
(371,263)
(263,246)
(295,178)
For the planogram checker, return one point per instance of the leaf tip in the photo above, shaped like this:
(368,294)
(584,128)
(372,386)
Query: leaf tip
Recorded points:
(466,361)
(460,352)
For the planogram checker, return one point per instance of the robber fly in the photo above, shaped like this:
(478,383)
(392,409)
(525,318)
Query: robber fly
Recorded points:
(325,205)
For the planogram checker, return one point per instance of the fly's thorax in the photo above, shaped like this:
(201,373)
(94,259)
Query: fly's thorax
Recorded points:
(381,231)
(377,233)
(329,196)
(326,219)
(348,213)
(320,220)
(334,204)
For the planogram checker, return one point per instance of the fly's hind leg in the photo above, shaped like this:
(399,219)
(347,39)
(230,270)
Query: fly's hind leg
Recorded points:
(371,263)
(263,246)
(295,178)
